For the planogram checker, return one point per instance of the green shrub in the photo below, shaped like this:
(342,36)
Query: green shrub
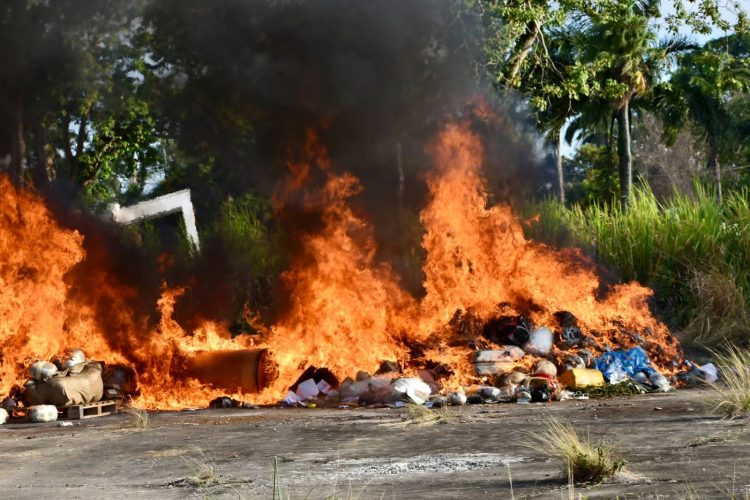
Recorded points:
(693,251)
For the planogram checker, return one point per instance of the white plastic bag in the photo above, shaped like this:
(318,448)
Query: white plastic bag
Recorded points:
(540,342)
(457,399)
(42,413)
(3,416)
(41,370)
(73,358)
(660,382)
(414,388)
(710,373)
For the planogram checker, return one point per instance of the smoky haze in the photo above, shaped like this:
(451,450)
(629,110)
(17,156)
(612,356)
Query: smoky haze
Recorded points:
(375,80)
(240,83)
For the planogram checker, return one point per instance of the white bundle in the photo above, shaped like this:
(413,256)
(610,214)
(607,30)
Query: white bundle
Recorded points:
(42,413)
(42,370)
(74,357)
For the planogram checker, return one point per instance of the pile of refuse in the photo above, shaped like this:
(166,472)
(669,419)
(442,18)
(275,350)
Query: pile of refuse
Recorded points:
(520,364)
(69,380)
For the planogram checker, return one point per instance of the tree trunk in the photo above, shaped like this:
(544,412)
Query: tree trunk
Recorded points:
(623,151)
(715,167)
(560,178)
(18,153)
(401,178)
(524,46)
(42,171)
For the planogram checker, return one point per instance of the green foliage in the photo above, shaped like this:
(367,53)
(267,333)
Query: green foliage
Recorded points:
(700,91)
(250,247)
(243,229)
(694,251)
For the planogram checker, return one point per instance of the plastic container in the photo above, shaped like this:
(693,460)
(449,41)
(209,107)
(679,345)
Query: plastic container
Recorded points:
(578,378)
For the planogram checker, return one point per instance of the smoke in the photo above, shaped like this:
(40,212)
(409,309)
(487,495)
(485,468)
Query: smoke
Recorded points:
(240,84)
(374,80)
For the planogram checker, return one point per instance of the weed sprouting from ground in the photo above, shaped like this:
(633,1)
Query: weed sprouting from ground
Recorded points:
(732,394)
(583,462)
(421,415)
(204,474)
(138,418)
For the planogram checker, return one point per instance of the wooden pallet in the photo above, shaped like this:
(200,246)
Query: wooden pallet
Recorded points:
(89,410)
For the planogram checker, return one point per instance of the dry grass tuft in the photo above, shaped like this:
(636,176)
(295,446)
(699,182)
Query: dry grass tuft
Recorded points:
(583,462)
(204,473)
(722,312)
(138,418)
(421,415)
(732,392)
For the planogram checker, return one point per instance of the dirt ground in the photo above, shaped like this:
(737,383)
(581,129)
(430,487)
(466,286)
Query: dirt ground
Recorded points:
(674,446)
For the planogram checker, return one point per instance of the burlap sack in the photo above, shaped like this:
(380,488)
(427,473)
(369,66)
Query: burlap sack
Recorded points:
(73,389)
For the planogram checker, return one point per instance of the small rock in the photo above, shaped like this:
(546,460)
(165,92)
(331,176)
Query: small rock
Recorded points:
(362,375)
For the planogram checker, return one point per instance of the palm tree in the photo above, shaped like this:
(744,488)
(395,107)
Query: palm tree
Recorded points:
(699,93)
(619,44)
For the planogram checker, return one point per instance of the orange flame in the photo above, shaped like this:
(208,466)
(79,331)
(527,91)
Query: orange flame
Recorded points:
(347,311)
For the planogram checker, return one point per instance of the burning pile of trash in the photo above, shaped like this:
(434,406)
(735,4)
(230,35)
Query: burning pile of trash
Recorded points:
(502,318)
(67,381)
(532,365)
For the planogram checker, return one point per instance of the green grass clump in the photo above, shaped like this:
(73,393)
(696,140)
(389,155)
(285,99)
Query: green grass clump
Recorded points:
(693,251)
(583,461)
(626,388)
(732,393)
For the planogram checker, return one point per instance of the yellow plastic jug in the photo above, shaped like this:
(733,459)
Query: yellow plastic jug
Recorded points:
(578,378)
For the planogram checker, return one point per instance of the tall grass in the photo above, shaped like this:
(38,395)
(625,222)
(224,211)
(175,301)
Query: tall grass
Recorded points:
(732,393)
(692,250)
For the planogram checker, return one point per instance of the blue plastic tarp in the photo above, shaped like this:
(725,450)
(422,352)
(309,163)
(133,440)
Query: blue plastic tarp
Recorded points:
(617,366)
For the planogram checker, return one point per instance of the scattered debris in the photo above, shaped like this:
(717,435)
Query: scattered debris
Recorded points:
(457,399)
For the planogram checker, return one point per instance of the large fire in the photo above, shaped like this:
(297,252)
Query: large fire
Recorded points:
(347,311)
